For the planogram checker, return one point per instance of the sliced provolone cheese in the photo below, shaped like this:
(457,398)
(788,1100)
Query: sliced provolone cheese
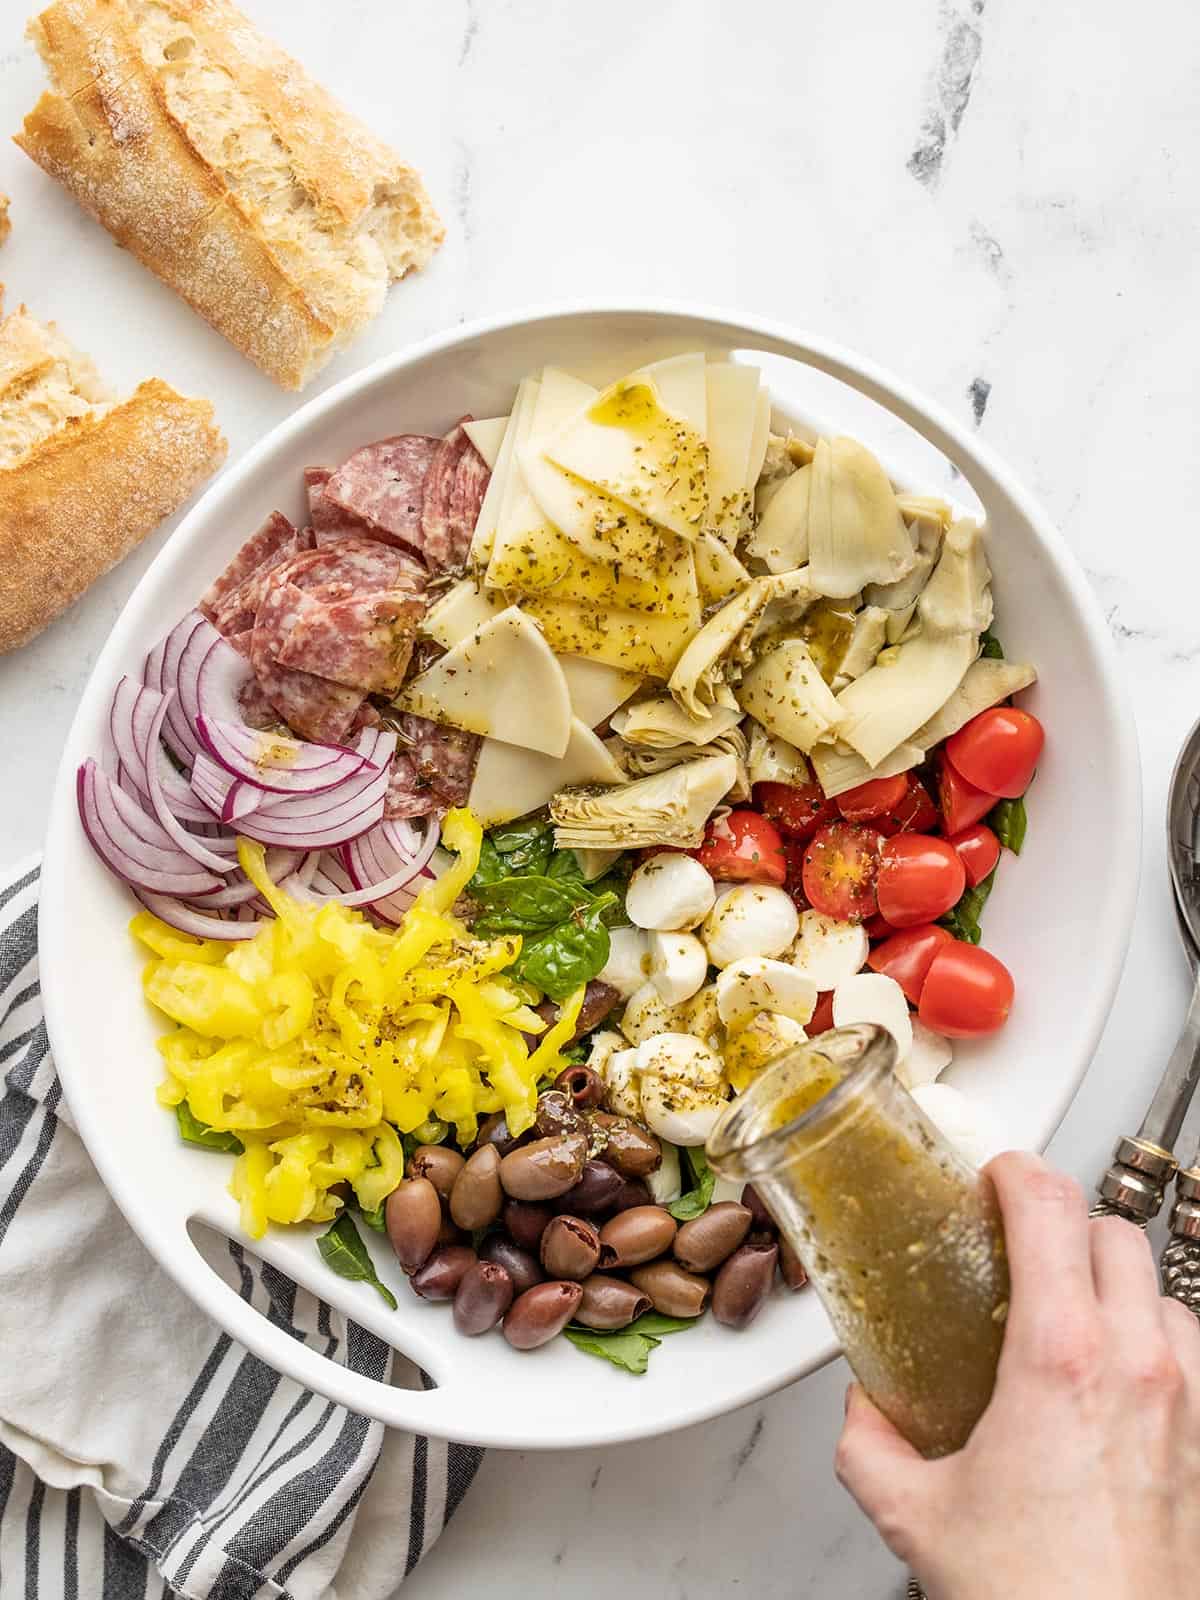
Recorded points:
(487,435)
(595,689)
(503,681)
(633,641)
(509,782)
(497,490)
(719,573)
(732,413)
(759,438)
(459,612)
(681,385)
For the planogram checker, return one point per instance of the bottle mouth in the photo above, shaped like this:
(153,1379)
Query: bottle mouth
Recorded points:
(755,1135)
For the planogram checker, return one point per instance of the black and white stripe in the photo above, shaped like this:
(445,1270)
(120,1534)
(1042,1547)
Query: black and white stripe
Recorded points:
(222,1478)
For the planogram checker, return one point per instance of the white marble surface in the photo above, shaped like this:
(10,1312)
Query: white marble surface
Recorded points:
(996,199)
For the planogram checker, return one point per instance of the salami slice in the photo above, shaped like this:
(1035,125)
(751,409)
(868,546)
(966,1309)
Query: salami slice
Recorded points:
(438,496)
(347,567)
(312,706)
(384,484)
(329,521)
(258,548)
(238,609)
(443,758)
(256,708)
(406,795)
(363,642)
(471,478)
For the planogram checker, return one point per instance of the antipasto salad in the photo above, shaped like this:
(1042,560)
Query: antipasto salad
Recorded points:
(496,826)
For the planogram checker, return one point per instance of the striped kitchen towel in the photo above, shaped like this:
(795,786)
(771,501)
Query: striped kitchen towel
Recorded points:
(142,1452)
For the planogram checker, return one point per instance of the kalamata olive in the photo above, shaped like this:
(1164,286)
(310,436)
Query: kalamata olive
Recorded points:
(484,1295)
(632,1150)
(526,1223)
(672,1289)
(556,1115)
(705,1241)
(441,1275)
(582,1085)
(596,1192)
(760,1217)
(521,1265)
(544,1169)
(448,1234)
(476,1197)
(439,1164)
(541,1313)
(743,1284)
(633,1193)
(791,1268)
(636,1236)
(570,1248)
(610,1303)
(598,1000)
(494,1130)
(413,1215)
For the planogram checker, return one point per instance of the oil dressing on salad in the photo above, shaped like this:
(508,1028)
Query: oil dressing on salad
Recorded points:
(497,825)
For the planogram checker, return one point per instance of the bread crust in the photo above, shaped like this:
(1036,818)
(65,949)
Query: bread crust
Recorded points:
(82,498)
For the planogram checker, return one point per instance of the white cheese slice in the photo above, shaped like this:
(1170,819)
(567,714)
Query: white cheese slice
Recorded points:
(496,493)
(632,641)
(759,438)
(459,612)
(719,573)
(487,435)
(732,413)
(596,690)
(509,782)
(502,681)
(682,387)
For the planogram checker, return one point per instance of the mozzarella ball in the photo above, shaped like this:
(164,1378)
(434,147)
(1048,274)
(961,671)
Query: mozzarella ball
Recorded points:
(678,965)
(929,1057)
(727,1189)
(756,983)
(665,1183)
(827,951)
(645,1013)
(669,892)
(680,1058)
(957,1120)
(751,919)
(680,1112)
(621,1084)
(756,1045)
(628,964)
(874,997)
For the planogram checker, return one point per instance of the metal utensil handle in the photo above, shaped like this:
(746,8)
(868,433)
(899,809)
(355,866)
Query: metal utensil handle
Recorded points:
(1180,1264)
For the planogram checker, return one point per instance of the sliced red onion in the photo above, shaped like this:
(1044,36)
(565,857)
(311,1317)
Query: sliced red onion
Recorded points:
(130,716)
(276,762)
(188,920)
(134,845)
(212,675)
(312,822)
(178,732)
(230,798)
(381,873)
(171,826)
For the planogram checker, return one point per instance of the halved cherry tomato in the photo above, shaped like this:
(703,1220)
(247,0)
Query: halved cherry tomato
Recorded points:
(878,797)
(998,750)
(743,848)
(978,850)
(962,803)
(796,809)
(967,992)
(920,878)
(822,1018)
(908,955)
(914,813)
(840,864)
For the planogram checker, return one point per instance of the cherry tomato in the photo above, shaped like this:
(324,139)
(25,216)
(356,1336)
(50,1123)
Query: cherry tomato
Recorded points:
(920,878)
(878,797)
(978,850)
(840,864)
(796,809)
(914,813)
(962,803)
(967,992)
(908,955)
(822,1018)
(743,848)
(878,928)
(998,750)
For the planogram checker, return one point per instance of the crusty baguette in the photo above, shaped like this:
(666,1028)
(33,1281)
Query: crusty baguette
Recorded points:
(5,219)
(227,170)
(82,479)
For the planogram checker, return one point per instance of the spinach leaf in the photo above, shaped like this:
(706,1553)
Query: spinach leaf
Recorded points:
(654,1325)
(628,1348)
(374,1219)
(526,846)
(990,647)
(615,882)
(526,905)
(1008,821)
(559,961)
(564,867)
(193,1131)
(696,1200)
(343,1250)
(963,919)
(491,868)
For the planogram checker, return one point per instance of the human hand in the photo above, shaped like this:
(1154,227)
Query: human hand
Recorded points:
(1082,1477)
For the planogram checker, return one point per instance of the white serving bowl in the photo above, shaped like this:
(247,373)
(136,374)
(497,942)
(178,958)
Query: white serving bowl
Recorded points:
(1060,917)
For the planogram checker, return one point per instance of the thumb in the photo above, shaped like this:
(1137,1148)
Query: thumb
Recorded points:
(881,1470)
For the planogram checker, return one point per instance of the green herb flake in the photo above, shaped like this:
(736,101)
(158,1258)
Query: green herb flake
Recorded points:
(343,1251)
(696,1200)
(193,1131)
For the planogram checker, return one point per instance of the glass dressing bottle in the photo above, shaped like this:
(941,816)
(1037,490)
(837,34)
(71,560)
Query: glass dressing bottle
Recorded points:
(899,1235)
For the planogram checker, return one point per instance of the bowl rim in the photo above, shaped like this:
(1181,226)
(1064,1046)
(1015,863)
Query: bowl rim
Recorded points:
(400,1407)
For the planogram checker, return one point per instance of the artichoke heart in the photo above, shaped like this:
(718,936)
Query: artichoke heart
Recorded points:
(866,641)
(986,683)
(856,534)
(958,597)
(719,573)
(661,724)
(886,706)
(839,768)
(906,591)
(781,537)
(787,694)
(668,808)
(770,759)
(699,671)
